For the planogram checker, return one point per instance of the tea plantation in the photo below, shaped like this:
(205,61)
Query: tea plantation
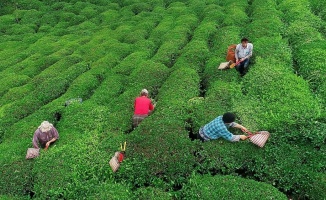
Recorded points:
(106,51)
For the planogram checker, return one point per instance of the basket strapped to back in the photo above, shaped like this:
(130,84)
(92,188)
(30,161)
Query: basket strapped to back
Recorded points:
(231,53)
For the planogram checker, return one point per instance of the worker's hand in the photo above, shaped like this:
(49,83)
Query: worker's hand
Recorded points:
(244,129)
(243,137)
(47,145)
(242,59)
(236,60)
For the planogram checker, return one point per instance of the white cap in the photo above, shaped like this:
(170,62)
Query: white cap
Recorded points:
(45,126)
(144,91)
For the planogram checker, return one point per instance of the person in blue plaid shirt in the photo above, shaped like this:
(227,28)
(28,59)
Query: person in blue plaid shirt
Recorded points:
(218,128)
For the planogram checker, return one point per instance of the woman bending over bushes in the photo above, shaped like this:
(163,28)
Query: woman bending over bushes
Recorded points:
(45,135)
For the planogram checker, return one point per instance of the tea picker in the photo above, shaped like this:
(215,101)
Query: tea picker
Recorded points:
(118,158)
(238,56)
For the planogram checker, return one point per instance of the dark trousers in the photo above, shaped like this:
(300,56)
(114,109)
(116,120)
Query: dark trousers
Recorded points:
(200,138)
(243,67)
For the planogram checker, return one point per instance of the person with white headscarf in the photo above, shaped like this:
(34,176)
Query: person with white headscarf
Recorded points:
(45,134)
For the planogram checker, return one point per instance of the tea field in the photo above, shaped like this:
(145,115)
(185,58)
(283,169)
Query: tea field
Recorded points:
(106,51)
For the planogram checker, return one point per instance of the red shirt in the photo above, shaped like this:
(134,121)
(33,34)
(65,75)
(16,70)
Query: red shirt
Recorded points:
(143,105)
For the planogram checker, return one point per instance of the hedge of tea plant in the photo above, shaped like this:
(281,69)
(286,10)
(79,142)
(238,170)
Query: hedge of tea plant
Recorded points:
(105,52)
(318,8)
(228,187)
(215,158)
(306,38)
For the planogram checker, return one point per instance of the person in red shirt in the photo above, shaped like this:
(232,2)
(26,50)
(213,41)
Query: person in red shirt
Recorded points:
(143,107)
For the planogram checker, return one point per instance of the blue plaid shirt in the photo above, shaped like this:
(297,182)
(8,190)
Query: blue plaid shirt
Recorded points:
(217,128)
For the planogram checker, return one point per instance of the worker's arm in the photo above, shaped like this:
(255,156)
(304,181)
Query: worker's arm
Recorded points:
(244,129)
(35,140)
(151,106)
(232,138)
(49,142)
(239,126)
(55,135)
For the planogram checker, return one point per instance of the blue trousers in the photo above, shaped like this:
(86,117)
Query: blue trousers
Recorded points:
(243,67)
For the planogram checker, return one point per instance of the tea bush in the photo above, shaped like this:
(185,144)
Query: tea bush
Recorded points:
(70,174)
(299,10)
(44,91)
(205,31)
(13,59)
(272,99)
(160,155)
(166,24)
(300,32)
(105,52)
(109,16)
(10,197)
(177,8)
(152,19)
(45,45)
(282,52)
(303,181)
(226,35)
(6,8)
(305,41)
(28,17)
(319,10)
(169,52)
(111,87)
(228,187)
(23,4)
(261,28)
(6,22)
(195,54)
(264,9)
(21,183)
(235,12)
(138,8)
(12,80)
(15,93)
(310,58)
(128,64)
(89,12)
(84,85)
(174,41)
(34,65)
(151,193)
(149,75)
(146,46)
